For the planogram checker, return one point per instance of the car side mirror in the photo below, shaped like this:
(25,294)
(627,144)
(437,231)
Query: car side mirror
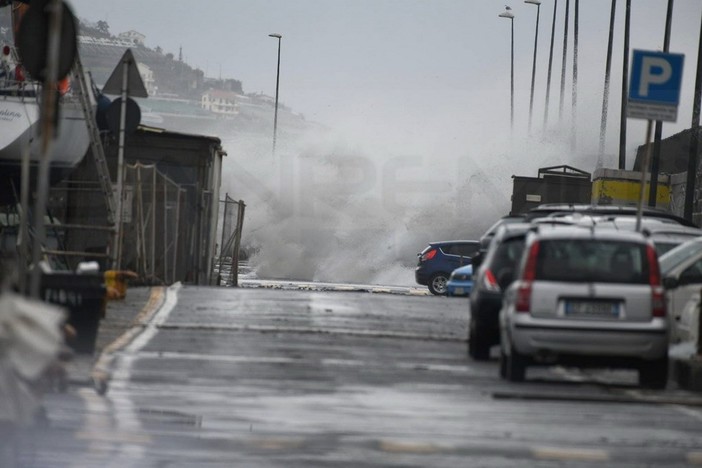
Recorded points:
(477,260)
(670,282)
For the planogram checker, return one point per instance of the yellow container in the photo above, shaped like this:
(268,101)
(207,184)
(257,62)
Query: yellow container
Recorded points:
(116,283)
(617,187)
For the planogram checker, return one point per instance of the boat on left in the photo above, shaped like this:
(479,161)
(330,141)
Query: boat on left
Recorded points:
(20,121)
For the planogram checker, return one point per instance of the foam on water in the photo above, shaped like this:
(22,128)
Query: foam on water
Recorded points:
(332,207)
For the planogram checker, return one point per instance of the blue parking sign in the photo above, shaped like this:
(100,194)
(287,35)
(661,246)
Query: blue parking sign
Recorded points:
(654,88)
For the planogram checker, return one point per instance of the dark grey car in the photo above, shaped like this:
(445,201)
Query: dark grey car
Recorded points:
(491,278)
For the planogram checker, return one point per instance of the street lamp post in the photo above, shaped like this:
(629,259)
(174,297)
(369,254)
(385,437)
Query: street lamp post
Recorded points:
(550,63)
(510,16)
(277,83)
(533,67)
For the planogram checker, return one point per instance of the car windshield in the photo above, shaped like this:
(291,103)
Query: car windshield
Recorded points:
(589,260)
(679,254)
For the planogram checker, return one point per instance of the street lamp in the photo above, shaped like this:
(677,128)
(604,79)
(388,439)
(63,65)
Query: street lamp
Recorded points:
(550,63)
(533,67)
(277,82)
(510,16)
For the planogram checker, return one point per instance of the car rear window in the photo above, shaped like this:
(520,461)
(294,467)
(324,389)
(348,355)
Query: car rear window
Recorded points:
(591,260)
(508,253)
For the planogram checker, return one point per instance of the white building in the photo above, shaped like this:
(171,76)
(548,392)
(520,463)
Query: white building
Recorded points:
(220,102)
(147,76)
(133,36)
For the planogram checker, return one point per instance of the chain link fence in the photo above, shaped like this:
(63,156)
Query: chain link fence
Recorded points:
(152,217)
(227,264)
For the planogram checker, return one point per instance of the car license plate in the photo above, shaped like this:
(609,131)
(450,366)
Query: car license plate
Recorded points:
(459,291)
(592,309)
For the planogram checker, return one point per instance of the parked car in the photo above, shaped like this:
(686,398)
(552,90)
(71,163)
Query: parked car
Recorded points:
(586,297)
(439,259)
(681,269)
(666,234)
(490,279)
(603,210)
(492,230)
(460,282)
(687,326)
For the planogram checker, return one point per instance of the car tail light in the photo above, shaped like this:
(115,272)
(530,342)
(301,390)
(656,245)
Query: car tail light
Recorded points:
(658,303)
(654,273)
(429,255)
(490,281)
(530,267)
(523,303)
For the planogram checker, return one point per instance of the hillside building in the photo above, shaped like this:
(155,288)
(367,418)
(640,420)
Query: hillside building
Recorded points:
(133,36)
(220,102)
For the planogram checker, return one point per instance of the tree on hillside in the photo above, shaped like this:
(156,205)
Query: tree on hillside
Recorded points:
(103,27)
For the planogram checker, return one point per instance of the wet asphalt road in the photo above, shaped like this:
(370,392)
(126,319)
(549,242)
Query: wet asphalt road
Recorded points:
(284,378)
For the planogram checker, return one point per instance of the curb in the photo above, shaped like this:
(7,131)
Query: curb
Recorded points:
(101,372)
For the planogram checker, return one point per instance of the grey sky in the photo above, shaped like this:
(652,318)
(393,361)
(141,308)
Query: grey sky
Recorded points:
(409,63)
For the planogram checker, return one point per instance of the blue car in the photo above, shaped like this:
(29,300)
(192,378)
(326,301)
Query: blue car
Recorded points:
(460,282)
(439,259)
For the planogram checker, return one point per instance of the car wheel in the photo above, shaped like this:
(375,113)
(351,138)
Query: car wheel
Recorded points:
(654,374)
(437,284)
(516,366)
(478,348)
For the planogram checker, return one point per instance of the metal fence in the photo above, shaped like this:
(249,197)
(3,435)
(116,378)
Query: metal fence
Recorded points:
(152,210)
(227,264)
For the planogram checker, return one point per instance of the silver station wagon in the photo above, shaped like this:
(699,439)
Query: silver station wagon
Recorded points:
(586,297)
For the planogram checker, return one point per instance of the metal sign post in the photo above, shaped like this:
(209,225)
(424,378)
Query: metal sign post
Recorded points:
(117,259)
(654,94)
(125,81)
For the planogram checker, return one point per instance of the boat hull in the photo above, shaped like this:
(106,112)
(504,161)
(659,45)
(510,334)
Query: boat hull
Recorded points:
(20,132)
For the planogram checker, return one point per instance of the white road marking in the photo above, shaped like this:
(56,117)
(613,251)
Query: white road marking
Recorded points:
(688,411)
(315,330)
(417,448)
(97,421)
(131,439)
(574,454)
(159,319)
(459,369)
(216,358)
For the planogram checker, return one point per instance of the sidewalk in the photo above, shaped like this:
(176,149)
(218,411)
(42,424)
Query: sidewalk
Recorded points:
(120,316)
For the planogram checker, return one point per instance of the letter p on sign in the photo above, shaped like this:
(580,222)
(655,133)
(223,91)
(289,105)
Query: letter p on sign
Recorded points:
(654,71)
(654,89)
